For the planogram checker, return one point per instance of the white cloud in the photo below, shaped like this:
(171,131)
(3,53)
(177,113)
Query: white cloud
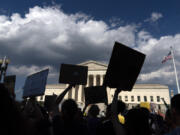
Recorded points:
(164,72)
(50,35)
(155,49)
(47,37)
(154,17)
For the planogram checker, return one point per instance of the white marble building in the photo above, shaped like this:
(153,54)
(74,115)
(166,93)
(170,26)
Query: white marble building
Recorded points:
(96,72)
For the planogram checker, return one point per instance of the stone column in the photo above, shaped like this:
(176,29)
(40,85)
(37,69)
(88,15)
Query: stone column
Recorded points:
(76,92)
(109,95)
(73,93)
(69,93)
(87,82)
(101,79)
(94,79)
(80,93)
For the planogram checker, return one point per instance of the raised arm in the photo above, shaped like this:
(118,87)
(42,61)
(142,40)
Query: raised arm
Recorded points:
(61,96)
(119,130)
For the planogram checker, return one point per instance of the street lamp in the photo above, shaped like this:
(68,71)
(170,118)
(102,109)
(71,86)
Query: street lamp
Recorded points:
(3,66)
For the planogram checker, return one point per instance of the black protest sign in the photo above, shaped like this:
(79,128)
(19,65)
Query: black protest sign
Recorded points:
(73,74)
(50,102)
(95,94)
(124,67)
(9,83)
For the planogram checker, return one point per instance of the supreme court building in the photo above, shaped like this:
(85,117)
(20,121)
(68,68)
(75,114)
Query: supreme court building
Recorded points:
(96,71)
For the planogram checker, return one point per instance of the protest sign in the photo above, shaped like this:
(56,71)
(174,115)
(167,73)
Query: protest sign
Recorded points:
(145,105)
(9,83)
(124,67)
(50,102)
(73,74)
(35,84)
(121,118)
(95,94)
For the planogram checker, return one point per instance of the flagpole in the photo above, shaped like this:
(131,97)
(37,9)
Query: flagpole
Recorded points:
(177,83)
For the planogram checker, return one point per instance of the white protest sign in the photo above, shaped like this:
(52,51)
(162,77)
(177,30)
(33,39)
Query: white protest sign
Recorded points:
(35,84)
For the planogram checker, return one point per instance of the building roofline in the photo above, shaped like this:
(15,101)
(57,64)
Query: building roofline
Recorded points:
(55,86)
(92,61)
(136,86)
(149,86)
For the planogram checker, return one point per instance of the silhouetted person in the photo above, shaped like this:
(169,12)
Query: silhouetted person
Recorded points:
(169,121)
(92,119)
(93,111)
(79,117)
(44,125)
(106,127)
(12,121)
(137,122)
(175,115)
(37,117)
(66,123)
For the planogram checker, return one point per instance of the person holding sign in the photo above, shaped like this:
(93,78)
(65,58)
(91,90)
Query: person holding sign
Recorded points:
(35,86)
(106,127)
(92,120)
(67,122)
(136,120)
(124,67)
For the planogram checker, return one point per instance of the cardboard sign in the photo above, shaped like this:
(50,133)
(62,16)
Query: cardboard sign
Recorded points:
(9,83)
(35,84)
(124,67)
(95,94)
(49,102)
(145,105)
(73,74)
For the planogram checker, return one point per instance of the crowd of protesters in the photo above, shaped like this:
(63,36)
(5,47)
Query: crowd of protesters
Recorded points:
(30,118)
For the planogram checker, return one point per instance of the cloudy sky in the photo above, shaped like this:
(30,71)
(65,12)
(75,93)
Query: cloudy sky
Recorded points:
(36,34)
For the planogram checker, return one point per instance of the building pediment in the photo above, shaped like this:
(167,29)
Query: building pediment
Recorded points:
(94,65)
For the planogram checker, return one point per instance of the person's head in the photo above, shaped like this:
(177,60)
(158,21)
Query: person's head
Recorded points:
(69,109)
(175,109)
(93,111)
(137,122)
(175,103)
(121,106)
